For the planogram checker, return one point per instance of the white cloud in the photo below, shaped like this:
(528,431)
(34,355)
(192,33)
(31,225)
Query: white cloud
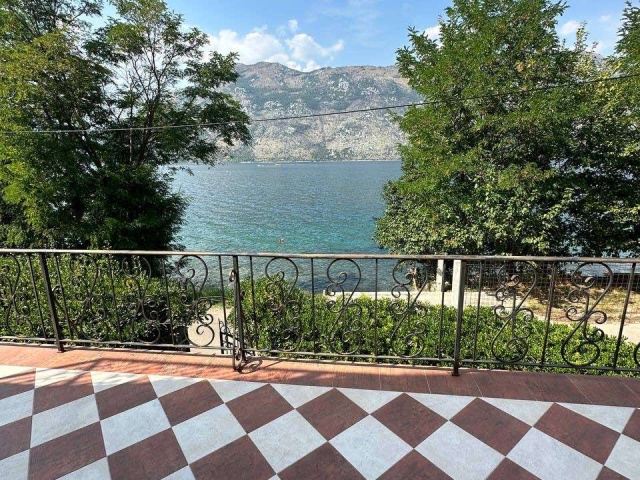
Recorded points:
(303,47)
(605,18)
(433,33)
(300,51)
(293,25)
(569,27)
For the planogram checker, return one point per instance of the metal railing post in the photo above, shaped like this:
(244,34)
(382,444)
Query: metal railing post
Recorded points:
(623,317)
(459,307)
(237,300)
(51,301)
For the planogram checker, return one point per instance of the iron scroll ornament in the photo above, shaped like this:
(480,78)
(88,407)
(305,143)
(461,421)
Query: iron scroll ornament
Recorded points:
(284,305)
(408,342)
(580,293)
(516,319)
(15,302)
(197,307)
(348,327)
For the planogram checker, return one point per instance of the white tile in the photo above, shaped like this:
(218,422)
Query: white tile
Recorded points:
(64,419)
(444,405)
(8,370)
(615,418)
(275,477)
(15,407)
(164,385)
(15,467)
(551,459)
(94,471)
(47,376)
(370,447)
(230,389)
(459,454)
(207,432)
(298,395)
(286,440)
(104,380)
(528,411)
(624,458)
(182,474)
(134,425)
(369,400)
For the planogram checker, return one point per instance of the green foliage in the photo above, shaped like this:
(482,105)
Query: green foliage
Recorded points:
(104,299)
(519,169)
(109,186)
(285,318)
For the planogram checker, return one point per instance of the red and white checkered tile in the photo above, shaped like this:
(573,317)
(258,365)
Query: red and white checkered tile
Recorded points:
(94,425)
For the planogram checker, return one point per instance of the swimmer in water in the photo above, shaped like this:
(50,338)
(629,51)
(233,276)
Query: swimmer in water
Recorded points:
(281,240)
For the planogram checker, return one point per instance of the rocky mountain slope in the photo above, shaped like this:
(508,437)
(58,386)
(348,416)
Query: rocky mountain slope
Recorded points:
(273,90)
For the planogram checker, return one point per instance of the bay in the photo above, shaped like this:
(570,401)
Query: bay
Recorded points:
(317,207)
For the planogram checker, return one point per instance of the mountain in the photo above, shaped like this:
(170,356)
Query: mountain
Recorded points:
(269,90)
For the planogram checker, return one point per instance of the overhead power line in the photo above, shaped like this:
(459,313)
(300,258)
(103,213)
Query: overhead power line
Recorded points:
(334,113)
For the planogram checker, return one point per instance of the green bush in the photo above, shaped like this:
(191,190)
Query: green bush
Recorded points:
(105,299)
(281,318)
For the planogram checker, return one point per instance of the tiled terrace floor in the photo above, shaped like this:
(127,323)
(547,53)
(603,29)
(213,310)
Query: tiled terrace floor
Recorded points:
(103,413)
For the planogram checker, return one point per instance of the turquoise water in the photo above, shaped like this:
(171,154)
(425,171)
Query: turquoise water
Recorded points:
(320,207)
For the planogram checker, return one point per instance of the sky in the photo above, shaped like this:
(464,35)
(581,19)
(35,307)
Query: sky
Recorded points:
(310,34)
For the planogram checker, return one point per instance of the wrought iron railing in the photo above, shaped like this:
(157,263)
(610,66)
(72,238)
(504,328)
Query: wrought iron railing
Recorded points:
(525,312)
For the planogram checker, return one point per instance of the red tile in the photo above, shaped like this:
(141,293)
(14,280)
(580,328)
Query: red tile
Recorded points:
(494,427)
(323,463)
(331,413)
(501,384)
(414,466)
(15,384)
(632,384)
(553,387)
(64,391)
(259,407)
(578,432)
(153,458)
(508,470)
(404,379)
(15,437)
(67,453)
(409,419)
(239,459)
(446,384)
(357,376)
(122,397)
(633,426)
(190,401)
(608,474)
(605,390)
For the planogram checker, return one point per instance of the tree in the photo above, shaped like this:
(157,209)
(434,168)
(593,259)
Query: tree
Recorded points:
(531,162)
(104,179)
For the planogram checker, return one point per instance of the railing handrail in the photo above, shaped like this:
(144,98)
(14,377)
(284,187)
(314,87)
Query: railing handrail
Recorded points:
(354,256)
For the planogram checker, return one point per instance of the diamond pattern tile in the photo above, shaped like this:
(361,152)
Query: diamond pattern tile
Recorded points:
(550,459)
(259,407)
(72,424)
(578,432)
(632,428)
(190,401)
(286,440)
(409,419)
(416,467)
(371,447)
(324,462)
(154,457)
(239,459)
(494,427)
(332,413)
(473,458)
